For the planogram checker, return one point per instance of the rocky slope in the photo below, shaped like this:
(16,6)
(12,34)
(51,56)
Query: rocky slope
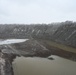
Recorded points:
(64,32)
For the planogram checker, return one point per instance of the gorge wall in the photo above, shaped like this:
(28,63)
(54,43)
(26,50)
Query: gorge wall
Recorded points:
(64,32)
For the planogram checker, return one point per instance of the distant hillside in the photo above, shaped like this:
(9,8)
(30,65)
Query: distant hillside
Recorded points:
(64,32)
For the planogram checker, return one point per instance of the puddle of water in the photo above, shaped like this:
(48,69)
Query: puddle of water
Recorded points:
(11,41)
(43,66)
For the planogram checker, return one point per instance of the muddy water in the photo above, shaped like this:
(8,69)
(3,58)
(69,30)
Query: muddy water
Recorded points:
(43,66)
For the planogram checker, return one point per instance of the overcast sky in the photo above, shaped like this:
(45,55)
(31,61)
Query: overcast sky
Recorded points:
(37,11)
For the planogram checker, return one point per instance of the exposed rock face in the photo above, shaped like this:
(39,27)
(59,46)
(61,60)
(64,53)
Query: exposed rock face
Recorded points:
(64,32)
(27,31)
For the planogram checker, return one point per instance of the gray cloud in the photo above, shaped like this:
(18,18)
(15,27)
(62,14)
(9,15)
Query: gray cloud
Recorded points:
(37,11)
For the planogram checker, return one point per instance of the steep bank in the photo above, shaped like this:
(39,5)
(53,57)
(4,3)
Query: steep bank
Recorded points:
(59,33)
(6,64)
(64,32)
(28,48)
(60,49)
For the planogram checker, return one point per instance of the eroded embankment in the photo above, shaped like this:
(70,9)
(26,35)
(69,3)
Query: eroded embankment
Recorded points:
(60,49)
(31,48)
(6,64)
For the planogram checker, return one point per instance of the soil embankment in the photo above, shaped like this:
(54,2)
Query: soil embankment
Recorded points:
(56,39)
(29,48)
(60,49)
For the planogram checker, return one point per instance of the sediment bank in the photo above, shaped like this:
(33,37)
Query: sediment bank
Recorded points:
(30,48)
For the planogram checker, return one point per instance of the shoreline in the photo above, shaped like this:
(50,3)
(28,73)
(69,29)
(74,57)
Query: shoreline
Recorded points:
(30,48)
